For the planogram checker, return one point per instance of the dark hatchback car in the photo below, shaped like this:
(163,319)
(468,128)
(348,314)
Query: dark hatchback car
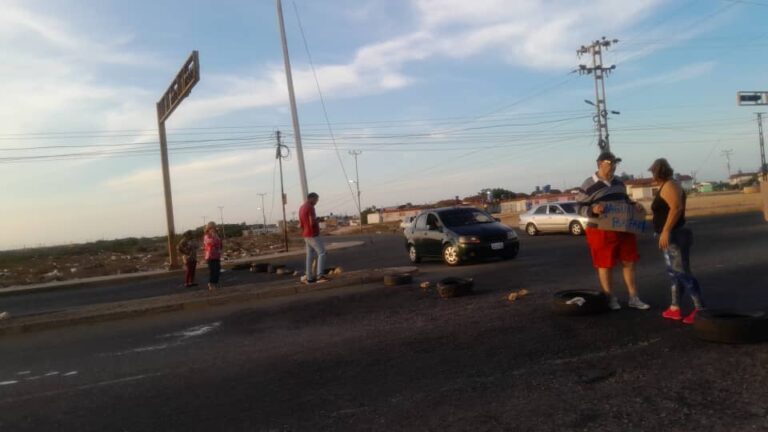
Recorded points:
(459,234)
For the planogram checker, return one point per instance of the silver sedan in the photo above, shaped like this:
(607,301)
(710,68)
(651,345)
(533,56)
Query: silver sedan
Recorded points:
(553,217)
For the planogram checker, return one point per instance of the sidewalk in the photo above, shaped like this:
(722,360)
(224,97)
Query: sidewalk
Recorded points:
(190,300)
(86,282)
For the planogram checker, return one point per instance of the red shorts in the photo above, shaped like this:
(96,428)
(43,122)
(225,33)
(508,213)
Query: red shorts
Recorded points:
(608,247)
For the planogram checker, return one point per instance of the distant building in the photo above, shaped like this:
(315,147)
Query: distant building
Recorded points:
(641,188)
(520,205)
(741,179)
(704,187)
(686,182)
(374,218)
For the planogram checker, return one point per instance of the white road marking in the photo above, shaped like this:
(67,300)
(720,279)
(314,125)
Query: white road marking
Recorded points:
(24,373)
(83,387)
(52,373)
(5,383)
(195,331)
(181,337)
(70,373)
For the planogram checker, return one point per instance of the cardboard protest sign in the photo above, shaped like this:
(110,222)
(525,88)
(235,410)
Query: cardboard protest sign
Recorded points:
(620,216)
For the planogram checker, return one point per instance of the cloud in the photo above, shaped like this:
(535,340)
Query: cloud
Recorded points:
(685,73)
(207,171)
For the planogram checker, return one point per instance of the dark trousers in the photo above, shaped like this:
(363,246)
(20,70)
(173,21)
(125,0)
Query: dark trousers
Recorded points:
(189,272)
(214,270)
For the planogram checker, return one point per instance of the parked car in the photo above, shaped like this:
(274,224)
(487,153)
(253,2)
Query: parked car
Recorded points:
(407,222)
(458,234)
(553,217)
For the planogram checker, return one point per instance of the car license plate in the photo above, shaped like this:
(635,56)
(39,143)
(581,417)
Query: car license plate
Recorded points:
(497,246)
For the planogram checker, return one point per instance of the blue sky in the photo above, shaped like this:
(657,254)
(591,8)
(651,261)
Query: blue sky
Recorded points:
(443,98)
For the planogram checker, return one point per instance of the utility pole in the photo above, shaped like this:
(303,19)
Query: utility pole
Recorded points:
(263,215)
(599,72)
(280,157)
(727,154)
(221,216)
(763,166)
(357,153)
(292,98)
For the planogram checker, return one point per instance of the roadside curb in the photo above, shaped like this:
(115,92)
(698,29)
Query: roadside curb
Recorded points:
(189,301)
(156,274)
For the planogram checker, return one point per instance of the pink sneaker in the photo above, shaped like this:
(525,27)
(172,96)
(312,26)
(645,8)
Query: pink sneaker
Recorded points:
(690,318)
(673,314)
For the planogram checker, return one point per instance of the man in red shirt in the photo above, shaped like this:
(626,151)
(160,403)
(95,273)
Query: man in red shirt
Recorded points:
(310,230)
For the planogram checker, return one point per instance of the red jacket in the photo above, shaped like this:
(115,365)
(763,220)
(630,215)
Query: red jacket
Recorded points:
(309,225)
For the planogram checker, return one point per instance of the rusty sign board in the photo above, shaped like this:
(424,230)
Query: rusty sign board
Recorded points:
(180,87)
(752,98)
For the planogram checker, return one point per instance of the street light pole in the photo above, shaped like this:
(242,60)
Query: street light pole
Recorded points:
(357,153)
(280,156)
(263,215)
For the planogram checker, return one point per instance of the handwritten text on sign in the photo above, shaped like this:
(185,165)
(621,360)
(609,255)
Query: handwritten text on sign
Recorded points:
(621,216)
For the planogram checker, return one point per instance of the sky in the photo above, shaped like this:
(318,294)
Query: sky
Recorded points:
(440,97)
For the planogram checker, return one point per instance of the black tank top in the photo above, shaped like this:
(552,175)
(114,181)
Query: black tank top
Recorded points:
(660,210)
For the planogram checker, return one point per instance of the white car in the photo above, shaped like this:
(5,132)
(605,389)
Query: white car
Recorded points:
(407,222)
(553,217)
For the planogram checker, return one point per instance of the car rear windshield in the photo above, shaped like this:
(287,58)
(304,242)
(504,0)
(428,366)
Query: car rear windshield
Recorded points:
(461,217)
(568,208)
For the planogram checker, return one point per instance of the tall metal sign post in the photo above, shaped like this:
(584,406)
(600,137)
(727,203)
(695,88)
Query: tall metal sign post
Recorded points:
(753,98)
(179,89)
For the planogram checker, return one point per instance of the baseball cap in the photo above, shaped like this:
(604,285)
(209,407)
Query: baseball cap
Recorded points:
(608,156)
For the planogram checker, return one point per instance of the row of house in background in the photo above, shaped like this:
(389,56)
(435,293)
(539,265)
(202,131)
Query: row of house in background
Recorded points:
(639,189)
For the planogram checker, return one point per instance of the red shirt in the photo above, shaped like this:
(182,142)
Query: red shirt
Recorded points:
(309,225)
(212,244)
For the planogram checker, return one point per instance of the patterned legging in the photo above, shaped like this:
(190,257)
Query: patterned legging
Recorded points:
(678,260)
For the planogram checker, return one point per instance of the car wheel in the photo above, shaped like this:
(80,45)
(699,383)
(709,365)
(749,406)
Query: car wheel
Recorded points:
(576,228)
(531,229)
(413,255)
(451,255)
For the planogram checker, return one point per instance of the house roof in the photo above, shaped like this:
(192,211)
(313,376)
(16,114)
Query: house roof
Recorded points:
(740,175)
(641,182)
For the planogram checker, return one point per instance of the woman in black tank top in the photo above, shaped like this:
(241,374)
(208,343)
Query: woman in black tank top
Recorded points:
(675,239)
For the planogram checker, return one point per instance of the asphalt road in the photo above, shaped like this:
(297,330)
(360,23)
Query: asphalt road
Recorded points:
(385,249)
(376,358)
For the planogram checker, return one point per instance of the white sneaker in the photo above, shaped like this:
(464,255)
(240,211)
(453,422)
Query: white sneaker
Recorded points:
(613,303)
(636,303)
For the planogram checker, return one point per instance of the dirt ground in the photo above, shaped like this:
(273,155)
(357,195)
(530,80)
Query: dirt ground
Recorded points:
(59,263)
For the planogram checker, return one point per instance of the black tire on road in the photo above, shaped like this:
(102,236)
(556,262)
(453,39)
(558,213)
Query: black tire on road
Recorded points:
(272,268)
(575,228)
(413,255)
(594,302)
(454,287)
(284,271)
(531,230)
(731,326)
(397,279)
(259,267)
(243,266)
